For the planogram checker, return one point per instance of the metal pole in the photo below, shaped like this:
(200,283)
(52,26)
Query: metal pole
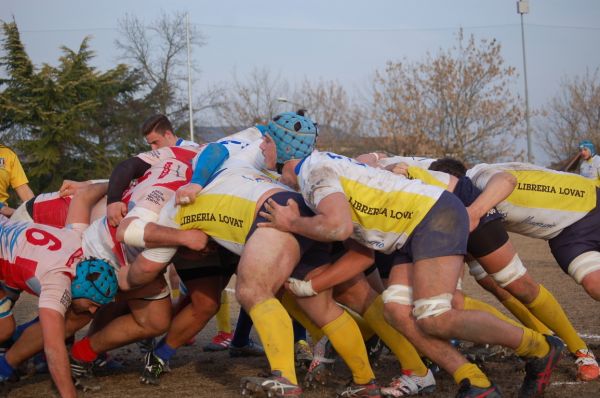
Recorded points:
(523,8)
(189,67)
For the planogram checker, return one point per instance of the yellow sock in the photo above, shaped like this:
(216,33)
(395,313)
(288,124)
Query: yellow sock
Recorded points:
(473,304)
(274,327)
(223,320)
(363,325)
(533,344)
(521,312)
(403,350)
(549,311)
(289,303)
(348,343)
(473,373)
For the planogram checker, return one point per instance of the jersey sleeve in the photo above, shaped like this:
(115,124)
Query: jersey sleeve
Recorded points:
(56,292)
(17,174)
(317,184)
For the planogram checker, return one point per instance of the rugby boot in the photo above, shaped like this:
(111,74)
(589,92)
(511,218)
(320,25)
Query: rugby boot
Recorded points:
(273,386)
(83,377)
(251,349)
(369,390)
(539,370)
(154,367)
(321,367)
(587,367)
(303,355)
(220,342)
(410,384)
(466,390)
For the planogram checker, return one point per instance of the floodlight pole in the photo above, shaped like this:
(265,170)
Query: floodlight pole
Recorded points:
(523,8)
(189,68)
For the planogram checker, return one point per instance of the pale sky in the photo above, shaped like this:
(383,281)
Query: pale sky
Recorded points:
(343,40)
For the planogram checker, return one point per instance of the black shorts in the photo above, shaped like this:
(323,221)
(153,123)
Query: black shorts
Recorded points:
(216,261)
(487,238)
(468,193)
(313,254)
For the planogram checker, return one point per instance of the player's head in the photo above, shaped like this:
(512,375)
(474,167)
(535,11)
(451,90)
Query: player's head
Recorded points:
(94,280)
(450,166)
(158,131)
(294,136)
(587,149)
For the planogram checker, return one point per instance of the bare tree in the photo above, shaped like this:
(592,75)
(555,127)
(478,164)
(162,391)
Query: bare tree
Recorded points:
(457,103)
(159,52)
(571,116)
(339,118)
(253,101)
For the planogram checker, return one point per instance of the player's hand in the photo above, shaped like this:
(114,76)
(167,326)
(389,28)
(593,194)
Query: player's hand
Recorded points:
(187,193)
(300,288)
(400,168)
(70,187)
(6,211)
(194,239)
(280,217)
(115,213)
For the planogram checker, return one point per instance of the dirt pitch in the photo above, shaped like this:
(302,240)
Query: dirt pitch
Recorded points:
(199,374)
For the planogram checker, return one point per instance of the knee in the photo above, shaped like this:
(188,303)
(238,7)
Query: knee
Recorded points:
(591,284)
(397,315)
(155,324)
(437,326)
(434,314)
(205,307)
(7,328)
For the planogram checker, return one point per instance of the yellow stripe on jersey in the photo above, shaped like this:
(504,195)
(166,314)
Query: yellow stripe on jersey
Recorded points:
(220,216)
(418,173)
(396,211)
(544,190)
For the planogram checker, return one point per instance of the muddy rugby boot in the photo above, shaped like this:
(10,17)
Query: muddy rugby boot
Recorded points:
(154,367)
(83,377)
(275,386)
(410,384)
(587,367)
(466,390)
(369,390)
(539,370)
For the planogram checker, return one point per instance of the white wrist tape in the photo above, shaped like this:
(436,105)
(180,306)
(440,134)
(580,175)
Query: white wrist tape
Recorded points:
(98,181)
(160,254)
(301,288)
(134,234)
(399,294)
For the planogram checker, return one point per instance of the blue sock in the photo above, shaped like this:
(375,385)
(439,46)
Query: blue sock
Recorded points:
(241,336)
(299,331)
(164,351)
(5,369)
(21,328)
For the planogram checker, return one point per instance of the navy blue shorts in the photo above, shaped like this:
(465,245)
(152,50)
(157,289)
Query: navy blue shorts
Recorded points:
(578,238)
(313,254)
(443,232)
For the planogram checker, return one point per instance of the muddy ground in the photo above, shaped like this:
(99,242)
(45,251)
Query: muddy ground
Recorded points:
(202,374)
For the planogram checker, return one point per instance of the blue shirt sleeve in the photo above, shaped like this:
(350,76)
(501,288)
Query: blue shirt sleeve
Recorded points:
(209,161)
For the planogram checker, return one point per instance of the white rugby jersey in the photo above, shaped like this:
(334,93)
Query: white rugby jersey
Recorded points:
(544,202)
(591,168)
(225,209)
(386,207)
(40,260)
(418,161)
